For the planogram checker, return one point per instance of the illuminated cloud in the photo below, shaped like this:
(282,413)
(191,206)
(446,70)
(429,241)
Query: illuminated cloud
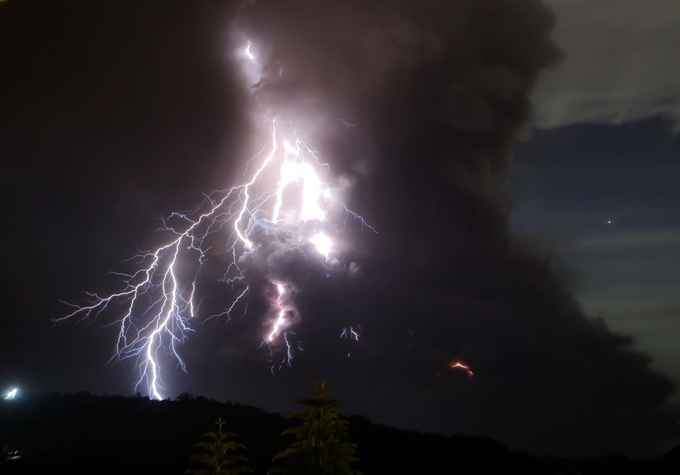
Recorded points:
(619,63)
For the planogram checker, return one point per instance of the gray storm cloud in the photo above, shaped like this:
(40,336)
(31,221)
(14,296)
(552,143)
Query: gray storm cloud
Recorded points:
(278,255)
(449,82)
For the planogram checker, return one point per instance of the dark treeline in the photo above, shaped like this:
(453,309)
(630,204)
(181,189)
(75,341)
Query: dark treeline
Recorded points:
(83,433)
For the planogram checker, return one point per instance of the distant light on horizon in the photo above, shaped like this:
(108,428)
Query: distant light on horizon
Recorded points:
(12,393)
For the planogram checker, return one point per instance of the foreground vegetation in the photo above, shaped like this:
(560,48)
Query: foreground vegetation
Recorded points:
(82,433)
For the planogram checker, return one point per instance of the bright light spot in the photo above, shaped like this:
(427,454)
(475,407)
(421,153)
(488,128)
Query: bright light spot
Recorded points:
(248,53)
(322,243)
(312,190)
(11,394)
(609,221)
(294,151)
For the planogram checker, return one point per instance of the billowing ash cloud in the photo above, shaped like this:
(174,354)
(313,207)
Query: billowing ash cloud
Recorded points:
(416,104)
(280,254)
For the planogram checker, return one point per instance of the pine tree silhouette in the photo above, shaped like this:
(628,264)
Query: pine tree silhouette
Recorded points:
(219,454)
(322,445)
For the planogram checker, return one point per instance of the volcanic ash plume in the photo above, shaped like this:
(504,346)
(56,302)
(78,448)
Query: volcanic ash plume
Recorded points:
(417,104)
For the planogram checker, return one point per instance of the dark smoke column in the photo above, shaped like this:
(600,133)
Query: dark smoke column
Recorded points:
(437,92)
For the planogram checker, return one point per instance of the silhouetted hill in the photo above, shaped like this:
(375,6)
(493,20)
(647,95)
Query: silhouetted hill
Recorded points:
(83,433)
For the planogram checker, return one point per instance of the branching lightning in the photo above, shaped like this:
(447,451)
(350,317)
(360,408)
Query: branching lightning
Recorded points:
(159,300)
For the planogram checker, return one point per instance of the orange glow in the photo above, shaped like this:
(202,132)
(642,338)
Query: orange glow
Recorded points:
(457,364)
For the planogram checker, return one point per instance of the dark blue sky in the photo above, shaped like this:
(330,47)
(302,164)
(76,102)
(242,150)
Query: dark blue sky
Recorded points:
(605,199)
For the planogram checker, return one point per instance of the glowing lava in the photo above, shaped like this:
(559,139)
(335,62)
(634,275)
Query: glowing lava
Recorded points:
(457,364)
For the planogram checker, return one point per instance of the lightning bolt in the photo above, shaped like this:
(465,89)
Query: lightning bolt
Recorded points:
(159,301)
(351,333)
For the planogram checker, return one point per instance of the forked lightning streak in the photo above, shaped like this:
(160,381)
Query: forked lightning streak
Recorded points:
(159,300)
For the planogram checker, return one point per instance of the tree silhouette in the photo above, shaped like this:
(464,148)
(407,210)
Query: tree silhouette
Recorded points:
(218,455)
(322,445)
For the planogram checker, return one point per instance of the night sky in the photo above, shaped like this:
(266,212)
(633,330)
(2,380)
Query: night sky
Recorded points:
(519,163)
